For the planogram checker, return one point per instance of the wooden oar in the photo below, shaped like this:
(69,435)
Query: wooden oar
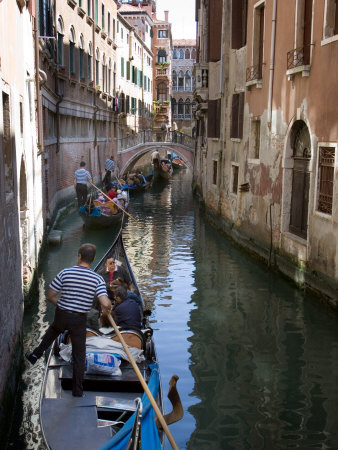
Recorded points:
(109,199)
(144,384)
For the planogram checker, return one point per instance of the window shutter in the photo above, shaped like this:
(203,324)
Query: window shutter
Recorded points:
(234,116)
(214,30)
(214,118)
(240,115)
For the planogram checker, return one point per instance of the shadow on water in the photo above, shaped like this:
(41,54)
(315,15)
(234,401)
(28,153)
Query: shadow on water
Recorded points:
(256,360)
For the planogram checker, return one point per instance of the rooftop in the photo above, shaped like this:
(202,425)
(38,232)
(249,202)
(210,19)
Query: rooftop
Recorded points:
(184,42)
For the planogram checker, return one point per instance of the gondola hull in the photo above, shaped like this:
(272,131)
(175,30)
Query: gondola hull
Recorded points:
(102,221)
(92,421)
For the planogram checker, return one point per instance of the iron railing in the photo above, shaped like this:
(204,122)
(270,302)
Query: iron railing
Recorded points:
(298,57)
(254,73)
(151,136)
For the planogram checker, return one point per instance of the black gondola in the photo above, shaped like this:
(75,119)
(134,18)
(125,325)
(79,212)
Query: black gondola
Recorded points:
(108,415)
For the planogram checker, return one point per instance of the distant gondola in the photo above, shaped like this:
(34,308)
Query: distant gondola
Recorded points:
(95,216)
(163,169)
(110,414)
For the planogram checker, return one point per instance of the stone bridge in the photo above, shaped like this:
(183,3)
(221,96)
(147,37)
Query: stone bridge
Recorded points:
(132,147)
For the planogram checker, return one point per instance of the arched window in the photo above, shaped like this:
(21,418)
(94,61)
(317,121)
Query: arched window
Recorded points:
(104,73)
(90,62)
(174,107)
(180,109)
(162,56)
(174,79)
(60,34)
(72,51)
(175,54)
(181,54)
(193,53)
(187,112)
(109,76)
(97,67)
(180,83)
(162,92)
(81,58)
(187,80)
(187,54)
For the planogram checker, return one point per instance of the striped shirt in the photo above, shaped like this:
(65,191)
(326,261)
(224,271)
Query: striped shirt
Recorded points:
(82,175)
(79,285)
(110,164)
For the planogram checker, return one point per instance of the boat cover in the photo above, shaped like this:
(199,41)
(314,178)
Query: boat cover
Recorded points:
(150,439)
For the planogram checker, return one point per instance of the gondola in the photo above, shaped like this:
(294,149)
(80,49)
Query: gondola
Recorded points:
(177,164)
(114,409)
(159,172)
(103,220)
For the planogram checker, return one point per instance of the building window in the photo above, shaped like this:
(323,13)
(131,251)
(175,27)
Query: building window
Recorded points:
(175,54)
(180,85)
(89,9)
(122,67)
(109,76)
(325,179)
(114,25)
(96,12)
(187,54)
(174,107)
(255,137)
(181,54)
(300,56)
(214,172)
(187,81)
(180,109)
(81,58)
(237,109)
(239,23)
(97,67)
(128,69)
(60,34)
(7,145)
(72,51)
(161,56)
(102,16)
(104,74)
(162,92)
(331,19)
(187,113)
(90,58)
(214,118)
(162,33)
(234,184)
(108,24)
(258,42)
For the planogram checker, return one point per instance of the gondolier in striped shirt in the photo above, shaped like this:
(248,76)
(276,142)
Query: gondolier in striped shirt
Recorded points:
(81,177)
(78,286)
(110,170)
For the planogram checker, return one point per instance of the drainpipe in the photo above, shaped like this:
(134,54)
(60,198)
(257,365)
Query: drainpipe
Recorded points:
(57,107)
(272,61)
(37,87)
(222,39)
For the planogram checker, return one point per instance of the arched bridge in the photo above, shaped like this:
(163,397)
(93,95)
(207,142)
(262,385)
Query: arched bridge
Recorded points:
(132,147)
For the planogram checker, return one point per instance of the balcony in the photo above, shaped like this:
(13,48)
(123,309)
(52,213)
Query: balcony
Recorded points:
(254,76)
(298,60)
(162,73)
(201,75)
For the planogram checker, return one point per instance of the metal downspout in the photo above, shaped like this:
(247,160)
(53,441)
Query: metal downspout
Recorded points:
(272,61)
(37,87)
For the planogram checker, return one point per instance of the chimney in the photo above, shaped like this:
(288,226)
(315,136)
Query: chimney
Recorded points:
(166,16)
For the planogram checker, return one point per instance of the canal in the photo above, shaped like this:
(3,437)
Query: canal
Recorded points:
(257,359)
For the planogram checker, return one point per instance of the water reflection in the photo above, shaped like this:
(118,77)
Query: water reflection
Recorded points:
(257,363)
(262,360)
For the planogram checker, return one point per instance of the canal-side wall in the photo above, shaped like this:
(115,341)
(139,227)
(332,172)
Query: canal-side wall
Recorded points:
(291,267)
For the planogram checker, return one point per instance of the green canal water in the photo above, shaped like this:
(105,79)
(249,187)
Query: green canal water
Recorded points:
(257,359)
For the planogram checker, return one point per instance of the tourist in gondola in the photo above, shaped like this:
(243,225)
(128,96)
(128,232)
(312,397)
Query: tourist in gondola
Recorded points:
(126,312)
(71,310)
(112,271)
(140,176)
(81,177)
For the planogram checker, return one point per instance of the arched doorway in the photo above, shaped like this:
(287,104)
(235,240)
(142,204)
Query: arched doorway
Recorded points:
(300,143)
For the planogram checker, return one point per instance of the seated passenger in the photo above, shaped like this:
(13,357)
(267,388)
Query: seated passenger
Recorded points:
(113,271)
(140,177)
(112,193)
(126,312)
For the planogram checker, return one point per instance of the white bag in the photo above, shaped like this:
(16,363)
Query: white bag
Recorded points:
(102,364)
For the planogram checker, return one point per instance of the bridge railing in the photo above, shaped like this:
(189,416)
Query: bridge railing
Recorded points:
(170,137)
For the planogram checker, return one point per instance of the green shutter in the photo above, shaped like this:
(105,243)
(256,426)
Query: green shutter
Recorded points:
(128,70)
(122,67)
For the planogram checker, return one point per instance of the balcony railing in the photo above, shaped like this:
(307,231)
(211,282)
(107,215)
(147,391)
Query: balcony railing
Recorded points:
(254,73)
(150,135)
(161,72)
(298,57)
(182,88)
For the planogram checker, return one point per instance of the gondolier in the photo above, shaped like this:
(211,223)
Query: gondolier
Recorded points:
(110,170)
(78,286)
(81,177)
